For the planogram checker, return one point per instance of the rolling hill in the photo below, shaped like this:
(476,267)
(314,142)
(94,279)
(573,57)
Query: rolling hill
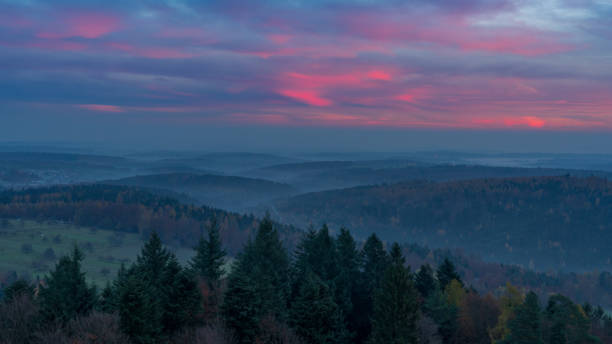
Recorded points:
(326,175)
(541,222)
(226,192)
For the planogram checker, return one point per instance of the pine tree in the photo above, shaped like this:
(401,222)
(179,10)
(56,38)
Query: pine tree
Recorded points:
(315,316)
(210,256)
(18,288)
(443,313)
(181,298)
(174,292)
(375,261)
(241,307)
(107,303)
(425,281)
(348,277)
(139,311)
(446,272)
(66,293)
(525,327)
(261,272)
(152,262)
(569,322)
(395,305)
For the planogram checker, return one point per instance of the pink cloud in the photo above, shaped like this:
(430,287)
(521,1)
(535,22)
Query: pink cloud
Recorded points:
(100,107)
(413,95)
(455,33)
(307,97)
(529,121)
(279,38)
(86,25)
(379,75)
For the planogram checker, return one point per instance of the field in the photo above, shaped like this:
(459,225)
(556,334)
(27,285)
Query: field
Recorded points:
(31,249)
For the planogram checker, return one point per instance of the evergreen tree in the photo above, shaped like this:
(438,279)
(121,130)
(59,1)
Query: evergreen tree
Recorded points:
(139,311)
(569,322)
(18,288)
(66,293)
(152,262)
(107,303)
(315,316)
(446,272)
(210,256)
(325,262)
(395,305)
(181,298)
(263,270)
(316,253)
(348,277)
(241,307)
(174,292)
(525,327)
(425,281)
(375,261)
(443,313)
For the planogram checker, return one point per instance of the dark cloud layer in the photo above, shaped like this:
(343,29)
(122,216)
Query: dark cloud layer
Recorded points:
(481,64)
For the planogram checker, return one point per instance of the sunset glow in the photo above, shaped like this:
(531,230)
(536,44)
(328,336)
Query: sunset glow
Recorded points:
(480,64)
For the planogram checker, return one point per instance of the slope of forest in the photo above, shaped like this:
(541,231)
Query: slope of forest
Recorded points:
(227,192)
(541,222)
(325,175)
(129,209)
(328,290)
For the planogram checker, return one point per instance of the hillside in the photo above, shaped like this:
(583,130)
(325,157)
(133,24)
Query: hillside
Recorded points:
(227,192)
(30,249)
(542,222)
(325,175)
(130,210)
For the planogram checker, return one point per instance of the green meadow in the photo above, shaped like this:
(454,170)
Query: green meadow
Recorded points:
(31,249)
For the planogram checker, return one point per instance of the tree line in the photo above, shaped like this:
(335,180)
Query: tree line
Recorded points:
(330,289)
(547,223)
(130,209)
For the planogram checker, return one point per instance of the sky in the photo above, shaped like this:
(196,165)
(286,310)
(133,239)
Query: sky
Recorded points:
(363,71)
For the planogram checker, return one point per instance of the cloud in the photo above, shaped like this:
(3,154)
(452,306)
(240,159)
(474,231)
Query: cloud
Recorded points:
(443,64)
(100,107)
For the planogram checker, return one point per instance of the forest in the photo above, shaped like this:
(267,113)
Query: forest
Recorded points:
(329,289)
(129,209)
(123,209)
(560,223)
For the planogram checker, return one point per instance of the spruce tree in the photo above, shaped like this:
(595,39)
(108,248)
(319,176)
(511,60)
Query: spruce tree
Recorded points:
(395,305)
(315,316)
(443,313)
(348,277)
(425,281)
(107,303)
(569,322)
(241,307)
(152,262)
(181,298)
(374,263)
(139,311)
(66,294)
(261,272)
(525,327)
(210,256)
(446,272)
(174,293)
(18,288)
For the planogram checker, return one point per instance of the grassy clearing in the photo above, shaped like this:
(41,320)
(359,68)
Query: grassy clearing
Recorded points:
(31,248)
